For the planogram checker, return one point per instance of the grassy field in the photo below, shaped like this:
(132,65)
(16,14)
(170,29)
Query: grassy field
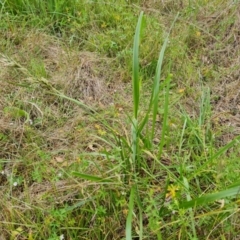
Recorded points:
(119,119)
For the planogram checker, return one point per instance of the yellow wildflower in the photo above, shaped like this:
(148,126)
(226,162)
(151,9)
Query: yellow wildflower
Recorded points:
(104,25)
(198,34)
(117,17)
(181,90)
(171,191)
(101,132)
(97,126)
(125,212)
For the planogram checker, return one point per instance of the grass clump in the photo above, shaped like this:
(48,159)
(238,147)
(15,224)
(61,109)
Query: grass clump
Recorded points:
(88,155)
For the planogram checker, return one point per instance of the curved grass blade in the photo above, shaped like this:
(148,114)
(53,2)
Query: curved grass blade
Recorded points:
(216,155)
(130,214)
(77,102)
(211,197)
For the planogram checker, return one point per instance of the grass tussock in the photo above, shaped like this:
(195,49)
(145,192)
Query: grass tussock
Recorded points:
(119,120)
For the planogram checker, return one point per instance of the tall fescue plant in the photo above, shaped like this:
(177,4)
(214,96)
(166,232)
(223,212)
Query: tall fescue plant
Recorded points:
(138,125)
(147,137)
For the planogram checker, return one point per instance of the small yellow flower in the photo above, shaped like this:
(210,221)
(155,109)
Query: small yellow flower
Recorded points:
(104,25)
(171,191)
(172,124)
(97,126)
(181,90)
(125,212)
(238,202)
(101,132)
(116,114)
(16,233)
(198,34)
(117,17)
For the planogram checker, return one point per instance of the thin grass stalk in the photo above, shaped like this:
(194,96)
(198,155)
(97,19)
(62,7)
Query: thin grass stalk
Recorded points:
(154,100)
(216,155)
(153,103)
(146,117)
(130,214)
(135,78)
(156,89)
(165,117)
(2,8)
(136,92)
(135,135)
(186,184)
(134,147)
(181,138)
(140,207)
(205,108)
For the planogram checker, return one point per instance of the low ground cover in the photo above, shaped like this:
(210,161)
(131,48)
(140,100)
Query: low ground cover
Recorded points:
(119,120)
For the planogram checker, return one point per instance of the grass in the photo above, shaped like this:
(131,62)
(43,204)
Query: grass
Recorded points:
(89,154)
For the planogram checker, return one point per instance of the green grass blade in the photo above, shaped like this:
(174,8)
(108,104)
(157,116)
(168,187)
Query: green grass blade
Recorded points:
(135,78)
(77,102)
(135,141)
(90,177)
(165,116)
(215,156)
(186,185)
(155,91)
(17,113)
(166,168)
(140,209)
(136,90)
(146,117)
(211,197)
(130,214)
(235,184)
(78,205)
(156,87)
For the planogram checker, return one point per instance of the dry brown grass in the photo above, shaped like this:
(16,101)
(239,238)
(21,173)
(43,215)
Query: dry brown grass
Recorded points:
(60,128)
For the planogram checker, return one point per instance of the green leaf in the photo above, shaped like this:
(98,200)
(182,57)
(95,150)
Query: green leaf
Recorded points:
(130,214)
(155,91)
(16,113)
(135,78)
(211,197)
